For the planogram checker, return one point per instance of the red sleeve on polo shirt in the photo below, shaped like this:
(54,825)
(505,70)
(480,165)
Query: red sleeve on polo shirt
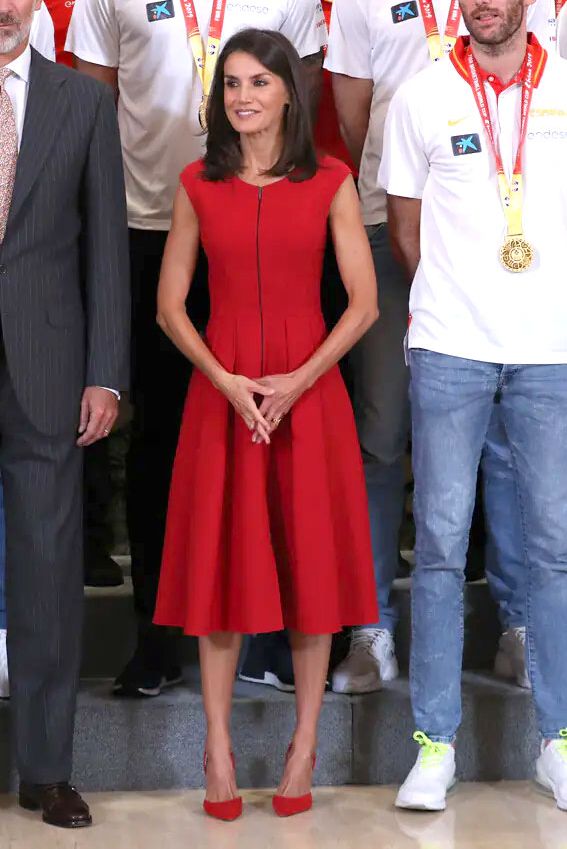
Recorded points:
(61,11)
(327,134)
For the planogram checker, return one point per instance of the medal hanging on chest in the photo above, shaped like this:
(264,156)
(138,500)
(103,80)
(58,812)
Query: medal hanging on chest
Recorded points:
(516,254)
(205,58)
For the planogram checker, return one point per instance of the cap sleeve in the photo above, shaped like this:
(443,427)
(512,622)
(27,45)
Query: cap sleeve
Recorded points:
(332,173)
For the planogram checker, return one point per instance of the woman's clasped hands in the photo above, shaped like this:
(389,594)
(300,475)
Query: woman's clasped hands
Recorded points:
(278,394)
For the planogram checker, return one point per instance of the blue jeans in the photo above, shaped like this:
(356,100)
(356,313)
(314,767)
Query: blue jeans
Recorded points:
(380,382)
(452,404)
(505,566)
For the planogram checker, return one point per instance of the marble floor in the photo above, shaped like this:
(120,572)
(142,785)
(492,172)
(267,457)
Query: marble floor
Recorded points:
(480,816)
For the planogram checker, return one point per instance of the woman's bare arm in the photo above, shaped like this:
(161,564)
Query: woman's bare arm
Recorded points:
(357,271)
(178,267)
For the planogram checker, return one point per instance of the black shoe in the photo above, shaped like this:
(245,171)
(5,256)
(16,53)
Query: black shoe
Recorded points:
(137,681)
(475,570)
(60,804)
(268,661)
(102,571)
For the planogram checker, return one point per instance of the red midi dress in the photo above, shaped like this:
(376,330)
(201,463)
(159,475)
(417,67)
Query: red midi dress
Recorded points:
(265,537)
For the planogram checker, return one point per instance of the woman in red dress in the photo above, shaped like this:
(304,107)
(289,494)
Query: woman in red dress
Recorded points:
(268,520)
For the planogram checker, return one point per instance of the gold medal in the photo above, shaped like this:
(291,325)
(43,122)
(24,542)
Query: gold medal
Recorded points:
(516,254)
(203,113)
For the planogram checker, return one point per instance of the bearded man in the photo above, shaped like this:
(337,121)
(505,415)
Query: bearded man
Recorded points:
(474,168)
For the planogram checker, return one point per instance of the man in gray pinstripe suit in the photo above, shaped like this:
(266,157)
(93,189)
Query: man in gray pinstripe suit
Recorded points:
(64,309)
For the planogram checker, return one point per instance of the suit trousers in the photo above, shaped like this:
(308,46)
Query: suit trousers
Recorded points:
(160,377)
(98,496)
(42,480)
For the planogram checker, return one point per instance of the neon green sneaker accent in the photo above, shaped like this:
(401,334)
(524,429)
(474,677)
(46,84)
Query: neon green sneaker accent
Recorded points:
(433,753)
(562,745)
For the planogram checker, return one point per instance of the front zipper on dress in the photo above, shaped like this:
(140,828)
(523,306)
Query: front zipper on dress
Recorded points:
(260,195)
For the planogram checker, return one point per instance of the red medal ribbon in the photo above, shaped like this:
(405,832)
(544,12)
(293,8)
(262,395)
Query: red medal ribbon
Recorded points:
(439,46)
(510,192)
(205,60)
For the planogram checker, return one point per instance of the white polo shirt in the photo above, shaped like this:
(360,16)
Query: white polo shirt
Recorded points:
(42,35)
(369,40)
(463,302)
(160,90)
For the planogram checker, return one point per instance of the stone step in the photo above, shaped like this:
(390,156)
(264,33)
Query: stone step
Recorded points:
(157,744)
(109,633)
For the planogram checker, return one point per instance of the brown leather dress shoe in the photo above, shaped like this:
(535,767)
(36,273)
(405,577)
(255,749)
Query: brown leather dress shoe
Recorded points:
(61,804)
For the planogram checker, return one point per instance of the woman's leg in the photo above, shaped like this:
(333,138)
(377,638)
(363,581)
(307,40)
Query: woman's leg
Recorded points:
(310,664)
(219,656)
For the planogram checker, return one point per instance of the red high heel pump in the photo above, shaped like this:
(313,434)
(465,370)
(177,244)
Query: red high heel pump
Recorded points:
(226,811)
(289,806)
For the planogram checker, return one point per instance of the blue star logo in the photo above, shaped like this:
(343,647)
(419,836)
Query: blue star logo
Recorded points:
(467,143)
(161,9)
(405,11)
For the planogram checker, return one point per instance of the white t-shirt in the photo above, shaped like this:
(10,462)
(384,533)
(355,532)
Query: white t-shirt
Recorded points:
(368,40)
(562,31)
(160,90)
(42,35)
(463,302)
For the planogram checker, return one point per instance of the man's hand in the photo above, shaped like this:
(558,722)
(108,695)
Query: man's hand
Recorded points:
(99,411)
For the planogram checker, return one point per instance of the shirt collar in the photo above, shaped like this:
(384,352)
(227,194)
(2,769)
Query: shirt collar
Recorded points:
(21,66)
(459,53)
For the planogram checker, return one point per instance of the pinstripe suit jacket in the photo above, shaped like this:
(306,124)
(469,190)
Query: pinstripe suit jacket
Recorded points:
(64,292)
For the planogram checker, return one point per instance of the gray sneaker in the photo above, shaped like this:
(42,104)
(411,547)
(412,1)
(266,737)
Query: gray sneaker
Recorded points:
(511,658)
(370,661)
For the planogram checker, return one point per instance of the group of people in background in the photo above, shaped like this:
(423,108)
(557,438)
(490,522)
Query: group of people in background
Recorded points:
(277,507)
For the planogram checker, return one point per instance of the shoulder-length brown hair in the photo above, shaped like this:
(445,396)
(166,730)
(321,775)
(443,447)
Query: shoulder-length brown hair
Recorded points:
(298,159)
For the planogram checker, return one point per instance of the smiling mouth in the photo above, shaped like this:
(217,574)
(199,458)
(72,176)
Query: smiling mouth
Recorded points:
(246,113)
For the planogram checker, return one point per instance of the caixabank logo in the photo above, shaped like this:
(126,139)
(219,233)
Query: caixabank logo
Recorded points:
(464,144)
(161,10)
(404,12)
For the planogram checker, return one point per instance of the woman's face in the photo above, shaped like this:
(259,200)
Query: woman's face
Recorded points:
(254,98)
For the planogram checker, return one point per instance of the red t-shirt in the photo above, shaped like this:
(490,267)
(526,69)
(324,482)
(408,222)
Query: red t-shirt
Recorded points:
(327,134)
(61,11)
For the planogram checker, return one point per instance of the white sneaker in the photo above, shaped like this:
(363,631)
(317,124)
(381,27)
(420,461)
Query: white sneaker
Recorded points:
(4,680)
(511,658)
(371,660)
(551,769)
(427,785)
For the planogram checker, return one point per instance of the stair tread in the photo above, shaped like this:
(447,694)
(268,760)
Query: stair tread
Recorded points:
(93,690)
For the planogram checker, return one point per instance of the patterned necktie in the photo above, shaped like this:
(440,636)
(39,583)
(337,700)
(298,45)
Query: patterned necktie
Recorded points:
(8,152)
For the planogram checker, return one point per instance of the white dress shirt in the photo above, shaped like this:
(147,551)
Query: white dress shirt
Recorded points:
(42,38)
(17,87)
